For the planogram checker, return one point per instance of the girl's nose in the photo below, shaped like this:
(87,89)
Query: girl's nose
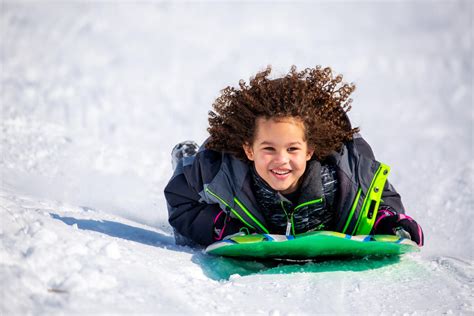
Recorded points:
(282,157)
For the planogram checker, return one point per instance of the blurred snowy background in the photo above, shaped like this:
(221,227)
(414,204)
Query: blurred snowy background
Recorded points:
(94,96)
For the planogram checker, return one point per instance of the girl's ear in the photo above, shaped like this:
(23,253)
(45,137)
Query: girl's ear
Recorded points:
(309,153)
(248,151)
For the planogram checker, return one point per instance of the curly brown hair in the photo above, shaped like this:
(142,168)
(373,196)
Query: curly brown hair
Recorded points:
(312,95)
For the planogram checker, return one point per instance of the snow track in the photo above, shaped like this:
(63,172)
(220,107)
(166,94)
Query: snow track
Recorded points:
(62,258)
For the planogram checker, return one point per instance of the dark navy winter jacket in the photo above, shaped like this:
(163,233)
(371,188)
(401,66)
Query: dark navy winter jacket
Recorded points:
(204,185)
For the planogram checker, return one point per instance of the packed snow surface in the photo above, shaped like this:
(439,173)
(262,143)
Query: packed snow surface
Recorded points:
(95,95)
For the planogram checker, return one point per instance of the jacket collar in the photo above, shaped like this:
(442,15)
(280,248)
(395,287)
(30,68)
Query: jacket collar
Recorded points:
(310,188)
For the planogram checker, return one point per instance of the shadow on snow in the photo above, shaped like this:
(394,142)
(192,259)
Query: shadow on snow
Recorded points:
(119,230)
(222,268)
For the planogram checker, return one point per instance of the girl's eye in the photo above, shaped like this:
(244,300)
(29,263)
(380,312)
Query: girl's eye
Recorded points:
(293,149)
(268,148)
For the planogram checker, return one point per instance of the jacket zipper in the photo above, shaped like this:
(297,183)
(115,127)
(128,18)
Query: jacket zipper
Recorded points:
(289,222)
(290,225)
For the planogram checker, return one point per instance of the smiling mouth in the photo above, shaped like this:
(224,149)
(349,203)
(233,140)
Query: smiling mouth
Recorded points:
(280,172)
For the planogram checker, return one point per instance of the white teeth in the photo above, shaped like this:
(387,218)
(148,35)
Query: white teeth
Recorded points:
(280,172)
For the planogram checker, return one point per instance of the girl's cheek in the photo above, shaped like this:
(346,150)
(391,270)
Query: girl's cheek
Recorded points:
(267,157)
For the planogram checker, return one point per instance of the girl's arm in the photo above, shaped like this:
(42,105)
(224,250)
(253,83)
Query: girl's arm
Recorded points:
(391,218)
(189,217)
(194,220)
(390,197)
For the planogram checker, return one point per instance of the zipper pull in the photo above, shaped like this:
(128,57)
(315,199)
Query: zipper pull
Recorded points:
(288,228)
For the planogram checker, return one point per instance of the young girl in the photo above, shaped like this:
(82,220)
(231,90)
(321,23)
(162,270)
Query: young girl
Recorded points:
(282,158)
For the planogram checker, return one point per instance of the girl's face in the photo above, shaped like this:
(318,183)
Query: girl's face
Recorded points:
(279,152)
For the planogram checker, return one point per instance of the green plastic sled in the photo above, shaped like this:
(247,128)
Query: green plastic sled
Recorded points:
(313,245)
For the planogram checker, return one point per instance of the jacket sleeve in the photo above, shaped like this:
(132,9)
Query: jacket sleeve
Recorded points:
(189,217)
(391,200)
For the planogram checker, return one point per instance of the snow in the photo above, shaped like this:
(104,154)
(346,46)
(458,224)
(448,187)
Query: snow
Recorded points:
(94,96)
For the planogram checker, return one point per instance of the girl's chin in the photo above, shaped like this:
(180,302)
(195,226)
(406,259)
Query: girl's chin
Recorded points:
(287,191)
(284,189)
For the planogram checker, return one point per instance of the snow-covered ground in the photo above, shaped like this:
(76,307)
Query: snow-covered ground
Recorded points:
(94,96)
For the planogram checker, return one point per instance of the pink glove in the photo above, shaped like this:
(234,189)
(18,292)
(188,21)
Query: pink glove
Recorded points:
(224,225)
(391,223)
